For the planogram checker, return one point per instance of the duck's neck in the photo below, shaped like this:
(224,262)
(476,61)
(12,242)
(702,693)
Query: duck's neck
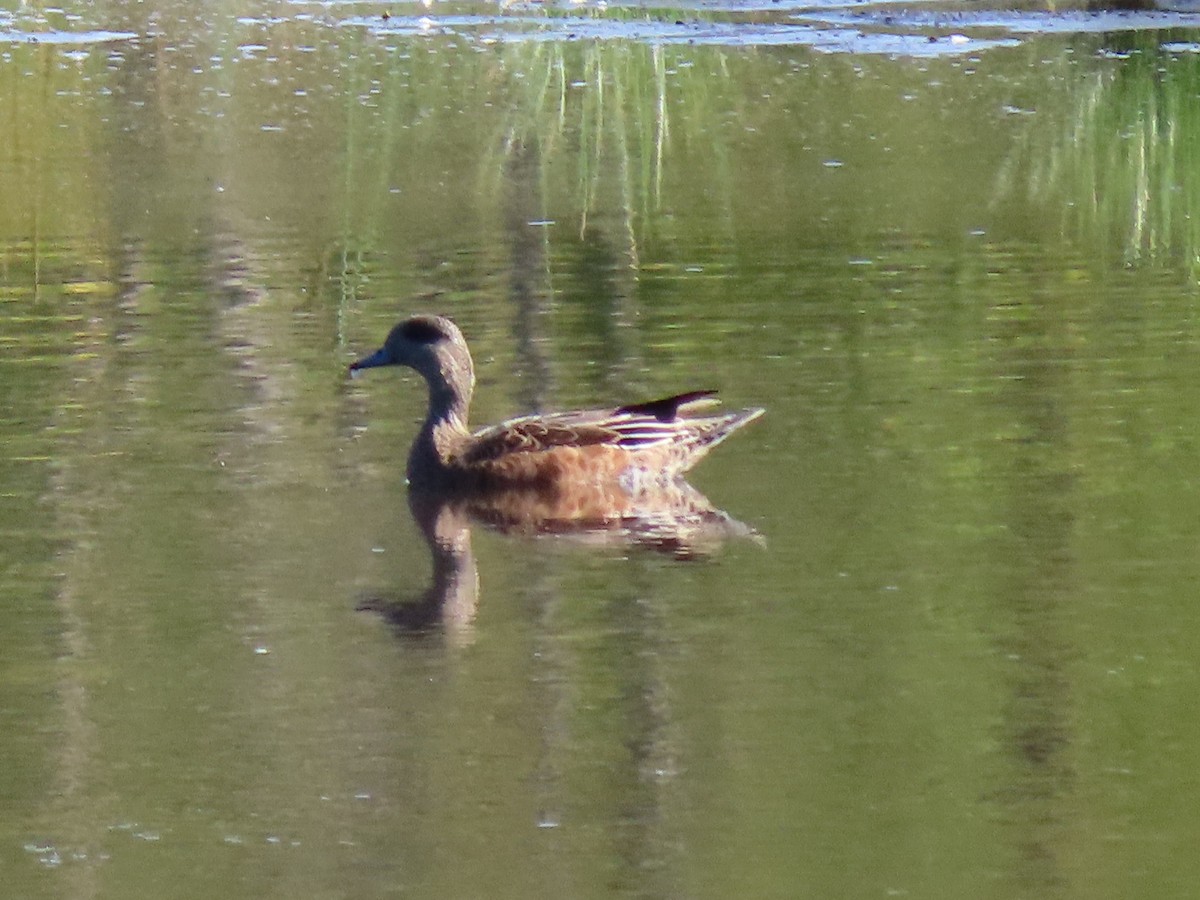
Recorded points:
(442,434)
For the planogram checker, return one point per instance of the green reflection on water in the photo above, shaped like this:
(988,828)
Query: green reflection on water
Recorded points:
(961,666)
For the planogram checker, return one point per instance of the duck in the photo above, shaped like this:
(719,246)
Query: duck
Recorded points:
(632,448)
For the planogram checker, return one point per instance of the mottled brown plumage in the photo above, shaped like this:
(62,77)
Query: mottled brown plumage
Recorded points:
(630,447)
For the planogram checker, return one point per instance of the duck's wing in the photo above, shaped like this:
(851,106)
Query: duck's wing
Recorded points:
(636,427)
(532,434)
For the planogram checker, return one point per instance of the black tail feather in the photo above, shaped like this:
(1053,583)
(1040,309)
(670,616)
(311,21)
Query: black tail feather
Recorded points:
(666,409)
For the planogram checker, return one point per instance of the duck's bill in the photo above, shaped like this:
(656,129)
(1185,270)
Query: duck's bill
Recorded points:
(378,358)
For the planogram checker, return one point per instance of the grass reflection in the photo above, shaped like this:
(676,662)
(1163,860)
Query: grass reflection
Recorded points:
(1122,172)
(604,113)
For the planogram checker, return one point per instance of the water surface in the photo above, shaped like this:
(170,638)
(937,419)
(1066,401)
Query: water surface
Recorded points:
(953,256)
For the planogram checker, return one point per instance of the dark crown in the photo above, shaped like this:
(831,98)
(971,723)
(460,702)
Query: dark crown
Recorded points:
(422,331)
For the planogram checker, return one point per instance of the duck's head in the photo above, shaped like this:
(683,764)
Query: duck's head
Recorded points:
(433,346)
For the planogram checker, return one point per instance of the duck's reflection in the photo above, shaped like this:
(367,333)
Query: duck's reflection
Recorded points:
(669,517)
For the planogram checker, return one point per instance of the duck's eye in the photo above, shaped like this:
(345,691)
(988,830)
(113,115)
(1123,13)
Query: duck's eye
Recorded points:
(421,331)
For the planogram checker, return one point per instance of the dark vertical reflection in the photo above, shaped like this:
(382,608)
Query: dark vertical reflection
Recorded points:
(528,265)
(1037,586)
(627,667)
(602,287)
(607,723)
(645,717)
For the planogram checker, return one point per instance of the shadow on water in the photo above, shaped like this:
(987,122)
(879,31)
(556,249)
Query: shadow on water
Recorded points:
(673,519)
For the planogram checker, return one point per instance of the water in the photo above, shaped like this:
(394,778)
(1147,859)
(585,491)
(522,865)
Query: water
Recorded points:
(962,282)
